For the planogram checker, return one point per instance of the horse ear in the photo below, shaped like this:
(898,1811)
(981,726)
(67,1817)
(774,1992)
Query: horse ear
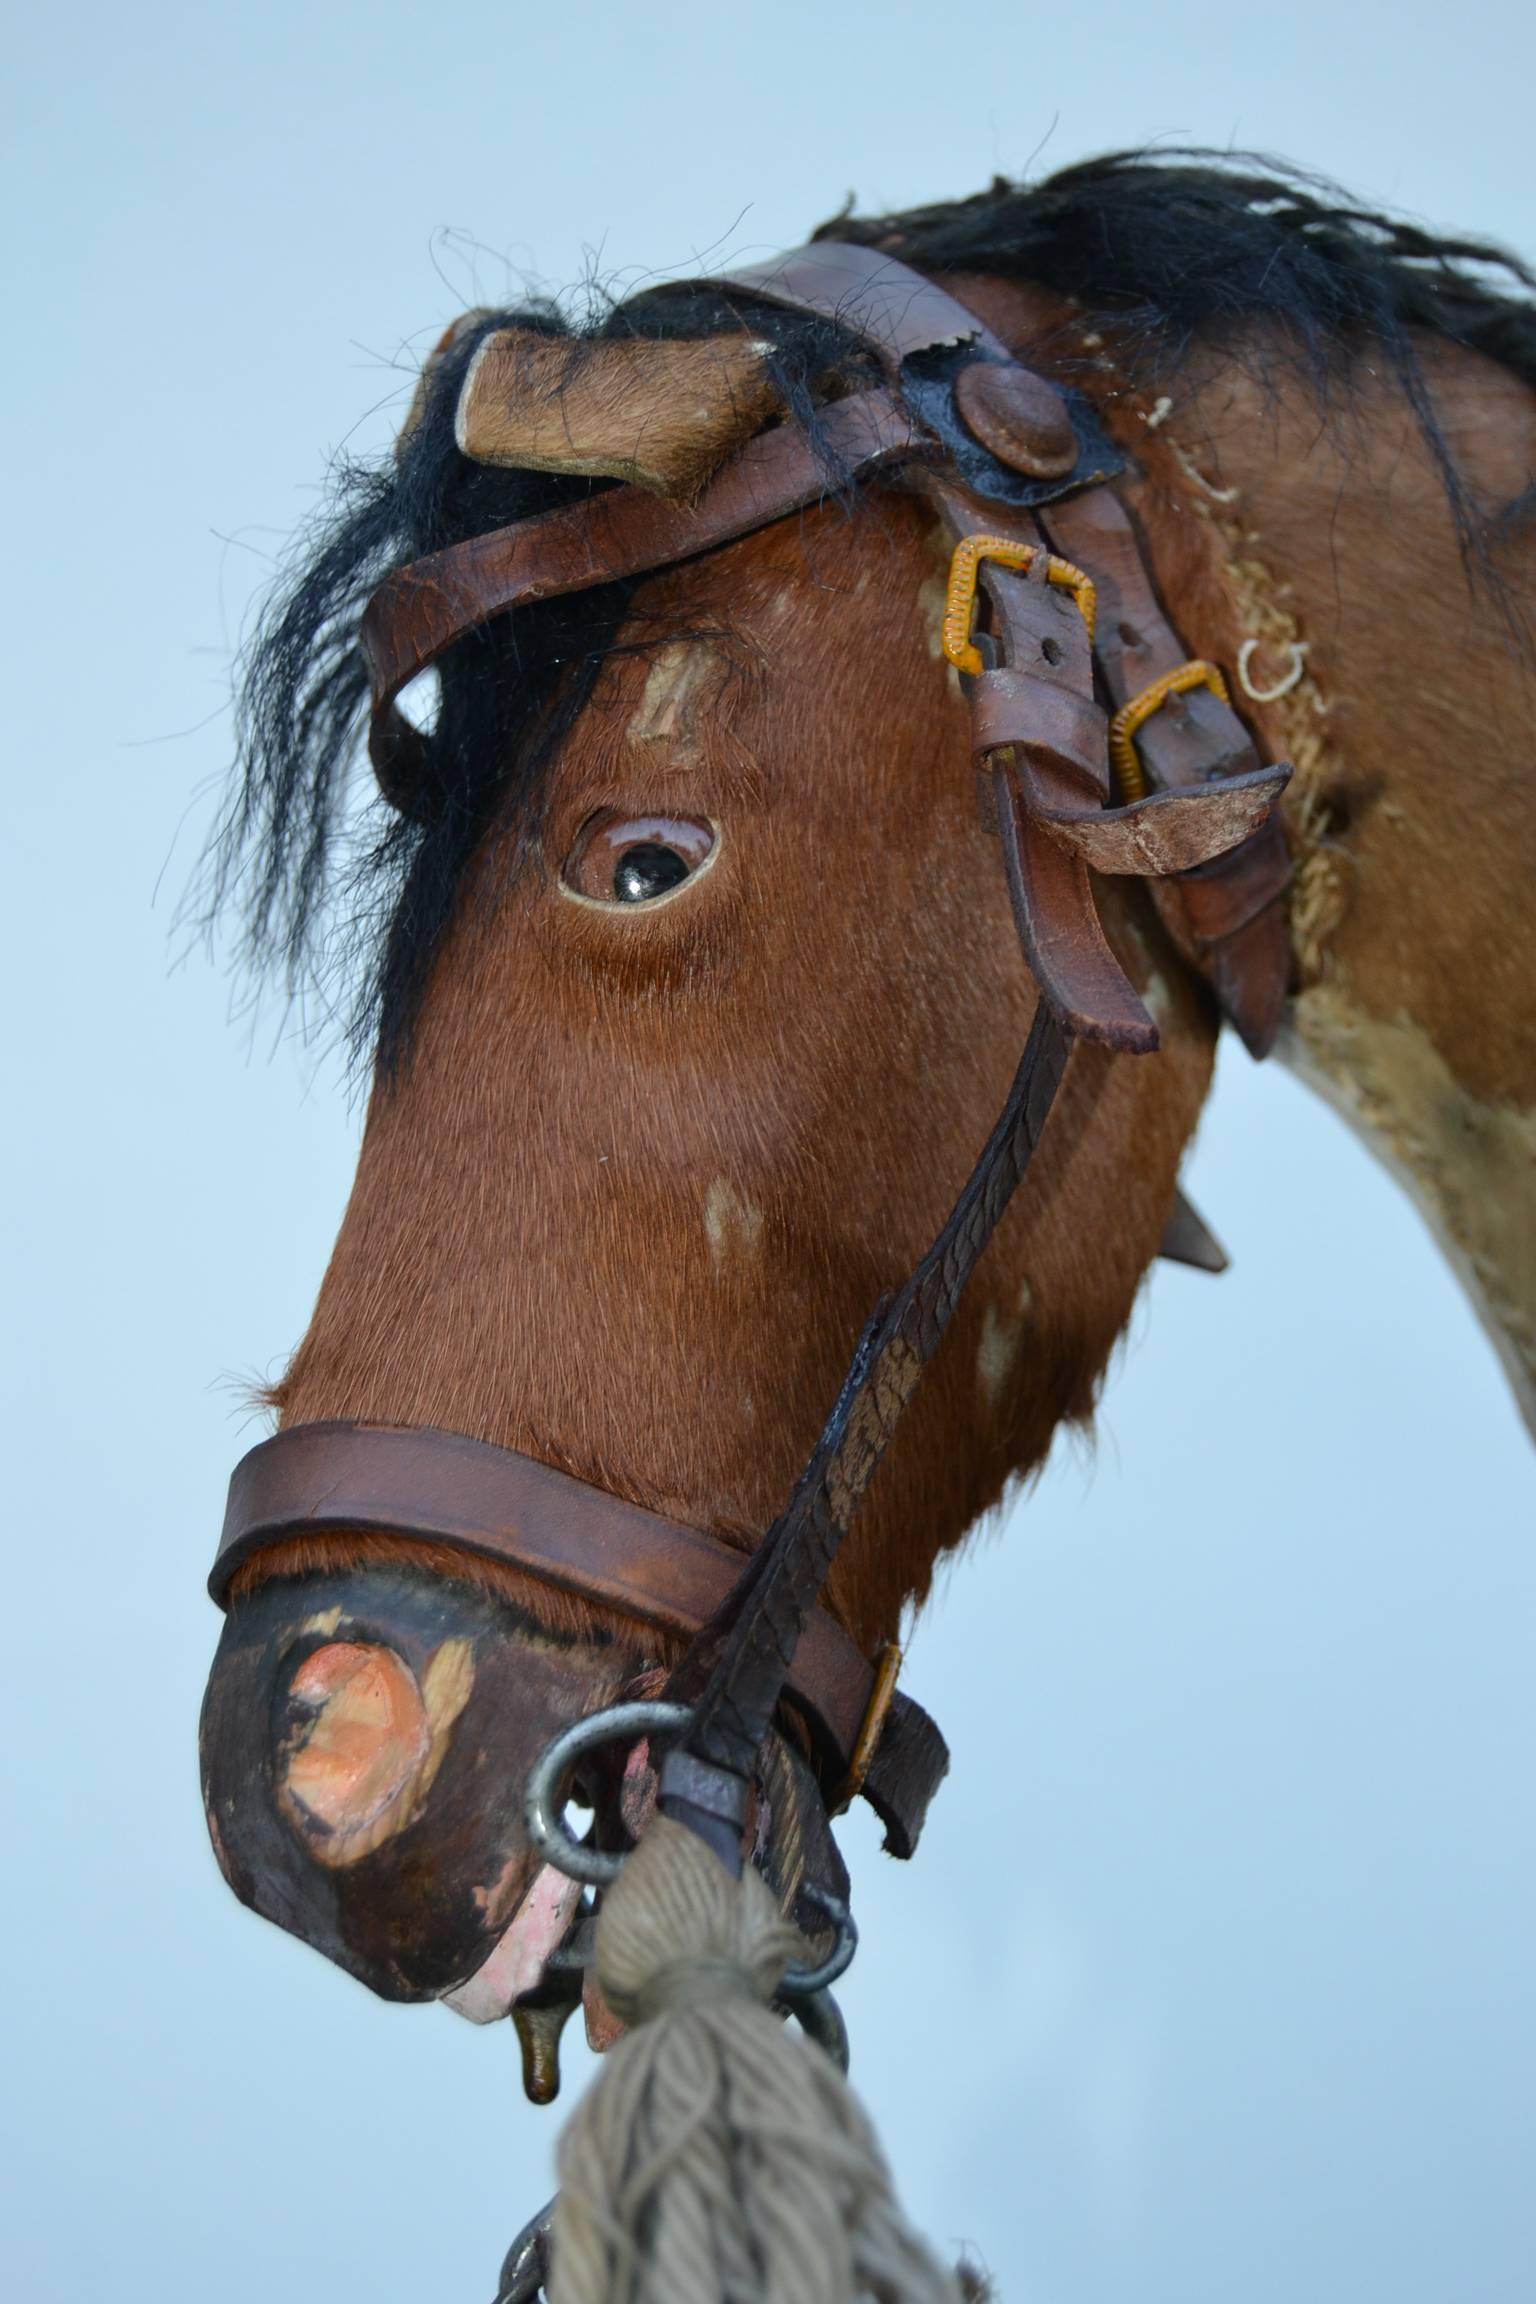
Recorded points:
(453,334)
(661,415)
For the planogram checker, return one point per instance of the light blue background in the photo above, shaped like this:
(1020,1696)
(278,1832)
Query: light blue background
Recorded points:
(1214,1978)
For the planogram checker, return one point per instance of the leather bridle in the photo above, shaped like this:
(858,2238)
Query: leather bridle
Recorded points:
(1014,466)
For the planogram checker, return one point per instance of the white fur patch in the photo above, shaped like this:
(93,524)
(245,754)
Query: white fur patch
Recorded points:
(732,1224)
(1469,1168)
(685,677)
(1002,1339)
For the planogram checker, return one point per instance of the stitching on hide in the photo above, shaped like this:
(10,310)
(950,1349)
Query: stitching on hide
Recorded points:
(1320,886)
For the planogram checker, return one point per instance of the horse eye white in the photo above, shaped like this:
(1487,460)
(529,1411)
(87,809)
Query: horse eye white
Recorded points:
(619,859)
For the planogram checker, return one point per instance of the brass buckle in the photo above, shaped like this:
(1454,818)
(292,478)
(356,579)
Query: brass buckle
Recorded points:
(872,1726)
(1129,773)
(960,593)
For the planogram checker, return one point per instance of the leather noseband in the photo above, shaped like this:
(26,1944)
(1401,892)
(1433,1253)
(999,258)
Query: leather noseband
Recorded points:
(492,1503)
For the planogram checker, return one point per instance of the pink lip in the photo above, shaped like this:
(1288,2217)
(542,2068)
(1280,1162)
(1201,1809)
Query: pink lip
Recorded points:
(516,1963)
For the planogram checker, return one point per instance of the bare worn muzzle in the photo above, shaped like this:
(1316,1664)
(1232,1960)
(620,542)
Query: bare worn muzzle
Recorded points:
(365,1738)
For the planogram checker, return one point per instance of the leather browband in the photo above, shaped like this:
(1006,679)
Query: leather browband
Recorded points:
(420,609)
(443,1488)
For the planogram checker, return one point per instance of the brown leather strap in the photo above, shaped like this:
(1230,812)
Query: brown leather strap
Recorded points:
(1227,914)
(893,308)
(1058,739)
(733,1674)
(1040,651)
(424,607)
(444,1488)
(736,1671)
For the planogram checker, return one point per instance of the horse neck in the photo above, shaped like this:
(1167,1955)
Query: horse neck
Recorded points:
(1315,555)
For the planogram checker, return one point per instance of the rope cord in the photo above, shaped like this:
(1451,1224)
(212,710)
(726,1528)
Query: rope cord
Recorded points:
(717,2157)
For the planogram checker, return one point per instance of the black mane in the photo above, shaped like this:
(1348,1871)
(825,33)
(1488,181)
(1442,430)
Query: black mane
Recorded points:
(1170,251)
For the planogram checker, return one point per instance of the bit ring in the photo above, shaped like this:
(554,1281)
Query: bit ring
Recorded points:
(598,1867)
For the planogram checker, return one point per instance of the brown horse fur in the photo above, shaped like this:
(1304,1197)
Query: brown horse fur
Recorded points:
(661,415)
(659,1130)
(1413,815)
(649,1168)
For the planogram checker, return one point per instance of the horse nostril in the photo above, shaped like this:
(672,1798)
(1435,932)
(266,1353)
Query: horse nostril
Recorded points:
(358,1736)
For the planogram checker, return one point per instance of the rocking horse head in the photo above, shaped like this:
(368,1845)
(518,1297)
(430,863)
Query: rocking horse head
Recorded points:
(699,988)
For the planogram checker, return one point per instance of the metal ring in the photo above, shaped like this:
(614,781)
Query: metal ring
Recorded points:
(599,1867)
(525,2267)
(821,2020)
(798,1982)
(541,1813)
(801,1983)
(1287,680)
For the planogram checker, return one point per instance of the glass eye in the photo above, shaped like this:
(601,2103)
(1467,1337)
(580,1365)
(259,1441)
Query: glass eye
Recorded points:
(621,859)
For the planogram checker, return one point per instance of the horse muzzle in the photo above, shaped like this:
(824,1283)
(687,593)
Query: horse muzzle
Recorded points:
(366,1736)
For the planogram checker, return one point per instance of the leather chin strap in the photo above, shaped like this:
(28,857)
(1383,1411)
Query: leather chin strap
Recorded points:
(993,445)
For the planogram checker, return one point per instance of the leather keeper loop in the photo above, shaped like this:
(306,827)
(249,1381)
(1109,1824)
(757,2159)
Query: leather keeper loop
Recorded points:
(1050,725)
(1221,902)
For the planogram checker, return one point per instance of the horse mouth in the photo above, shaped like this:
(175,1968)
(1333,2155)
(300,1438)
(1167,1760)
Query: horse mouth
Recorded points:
(541,1970)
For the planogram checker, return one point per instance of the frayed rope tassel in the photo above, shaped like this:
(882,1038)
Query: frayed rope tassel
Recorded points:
(718,2157)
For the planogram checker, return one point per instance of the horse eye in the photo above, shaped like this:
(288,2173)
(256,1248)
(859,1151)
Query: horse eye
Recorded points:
(620,859)
(648,869)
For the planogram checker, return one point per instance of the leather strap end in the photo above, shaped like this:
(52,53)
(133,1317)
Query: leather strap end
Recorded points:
(1231,918)
(1250,972)
(1079,977)
(910,1762)
(1188,1239)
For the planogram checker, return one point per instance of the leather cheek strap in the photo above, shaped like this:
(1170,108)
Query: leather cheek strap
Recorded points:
(1227,913)
(492,1503)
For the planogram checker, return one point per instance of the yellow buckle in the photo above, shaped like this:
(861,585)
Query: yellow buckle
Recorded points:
(1129,773)
(960,596)
(871,1728)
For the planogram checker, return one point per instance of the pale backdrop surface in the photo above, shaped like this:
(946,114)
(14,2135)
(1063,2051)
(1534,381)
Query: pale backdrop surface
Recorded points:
(1214,1978)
